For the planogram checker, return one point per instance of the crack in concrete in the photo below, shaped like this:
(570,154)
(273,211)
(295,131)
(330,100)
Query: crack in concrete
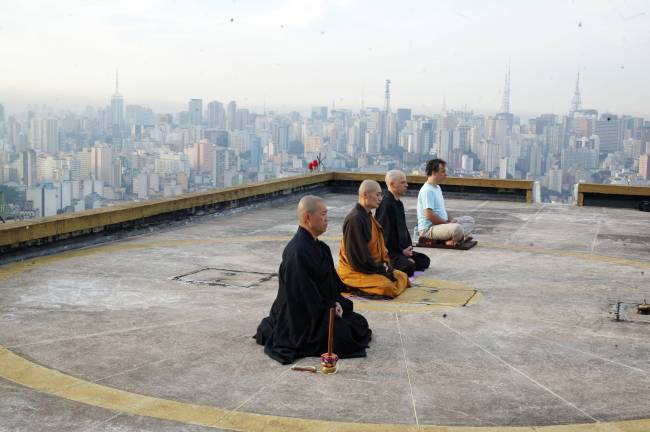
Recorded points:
(406,365)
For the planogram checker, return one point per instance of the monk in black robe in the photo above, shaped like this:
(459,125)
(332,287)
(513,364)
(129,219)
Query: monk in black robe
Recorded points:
(392,218)
(309,286)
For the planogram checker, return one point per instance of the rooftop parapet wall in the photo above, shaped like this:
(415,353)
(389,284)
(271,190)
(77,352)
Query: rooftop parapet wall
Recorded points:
(454,187)
(599,195)
(19,235)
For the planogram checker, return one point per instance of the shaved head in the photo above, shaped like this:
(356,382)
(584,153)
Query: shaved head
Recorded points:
(312,215)
(369,186)
(369,194)
(393,176)
(308,204)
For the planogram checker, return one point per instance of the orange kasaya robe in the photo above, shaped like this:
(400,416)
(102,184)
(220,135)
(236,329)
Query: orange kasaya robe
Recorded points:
(362,254)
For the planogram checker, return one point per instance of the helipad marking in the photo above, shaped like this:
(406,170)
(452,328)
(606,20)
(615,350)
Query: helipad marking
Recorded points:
(425,295)
(28,374)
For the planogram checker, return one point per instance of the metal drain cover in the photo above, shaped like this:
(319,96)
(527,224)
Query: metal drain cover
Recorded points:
(225,277)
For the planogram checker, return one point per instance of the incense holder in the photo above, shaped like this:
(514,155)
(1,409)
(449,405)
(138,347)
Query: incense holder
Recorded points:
(328,362)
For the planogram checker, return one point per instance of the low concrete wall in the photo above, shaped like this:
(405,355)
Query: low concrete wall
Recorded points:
(50,229)
(454,187)
(19,235)
(591,194)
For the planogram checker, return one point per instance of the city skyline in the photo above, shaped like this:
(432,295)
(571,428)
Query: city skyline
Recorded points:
(299,54)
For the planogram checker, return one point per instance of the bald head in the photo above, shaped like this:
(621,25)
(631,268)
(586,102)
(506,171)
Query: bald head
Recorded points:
(396,183)
(369,194)
(308,204)
(393,176)
(369,186)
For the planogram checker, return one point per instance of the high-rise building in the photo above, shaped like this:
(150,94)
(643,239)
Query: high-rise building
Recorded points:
(403,114)
(313,144)
(241,119)
(45,166)
(216,115)
(280,137)
(2,113)
(100,163)
(555,179)
(608,129)
(203,156)
(117,110)
(505,103)
(224,166)
(231,114)
(27,168)
(576,102)
(195,109)
(489,155)
(644,166)
(319,113)
(45,199)
(85,164)
(50,127)
(44,135)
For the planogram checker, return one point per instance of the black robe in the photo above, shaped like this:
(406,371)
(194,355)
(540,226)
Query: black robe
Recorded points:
(298,323)
(392,218)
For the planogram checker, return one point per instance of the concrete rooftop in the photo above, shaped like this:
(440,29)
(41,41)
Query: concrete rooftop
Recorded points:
(154,332)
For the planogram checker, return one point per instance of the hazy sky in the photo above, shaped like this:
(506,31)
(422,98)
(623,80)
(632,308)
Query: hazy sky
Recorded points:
(64,53)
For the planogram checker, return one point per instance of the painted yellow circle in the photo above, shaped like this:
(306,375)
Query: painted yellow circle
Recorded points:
(49,381)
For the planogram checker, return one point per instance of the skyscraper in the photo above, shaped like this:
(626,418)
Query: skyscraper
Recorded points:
(505,103)
(609,131)
(216,115)
(389,122)
(576,102)
(231,113)
(403,114)
(100,163)
(644,166)
(117,110)
(2,113)
(27,168)
(319,113)
(195,108)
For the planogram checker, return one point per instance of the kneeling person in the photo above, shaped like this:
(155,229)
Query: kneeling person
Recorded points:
(309,286)
(433,221)
(392,218)
(364,263)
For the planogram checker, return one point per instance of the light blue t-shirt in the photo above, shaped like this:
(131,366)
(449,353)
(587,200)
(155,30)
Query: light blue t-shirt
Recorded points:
(430,197)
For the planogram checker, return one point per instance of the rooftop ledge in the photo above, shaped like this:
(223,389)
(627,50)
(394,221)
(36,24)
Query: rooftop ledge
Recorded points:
(18,235)
(600,195)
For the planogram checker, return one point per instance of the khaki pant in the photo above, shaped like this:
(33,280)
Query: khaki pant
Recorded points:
(456,231)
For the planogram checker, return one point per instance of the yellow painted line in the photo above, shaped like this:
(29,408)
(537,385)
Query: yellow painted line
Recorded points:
(42,379)
(581,255)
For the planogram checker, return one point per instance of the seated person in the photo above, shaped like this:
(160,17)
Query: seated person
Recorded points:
(433,221)
(309,286)
(364,263)
(391,217)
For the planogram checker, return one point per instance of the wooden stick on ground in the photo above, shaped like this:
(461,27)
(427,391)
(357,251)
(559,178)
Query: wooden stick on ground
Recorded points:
(330,334)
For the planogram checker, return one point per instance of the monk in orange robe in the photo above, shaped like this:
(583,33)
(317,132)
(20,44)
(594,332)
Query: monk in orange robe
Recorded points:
(364,263)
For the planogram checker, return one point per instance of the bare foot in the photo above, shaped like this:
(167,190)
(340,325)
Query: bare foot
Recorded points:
(451,242)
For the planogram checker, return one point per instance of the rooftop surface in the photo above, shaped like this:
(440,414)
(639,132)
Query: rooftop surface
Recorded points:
(154,332)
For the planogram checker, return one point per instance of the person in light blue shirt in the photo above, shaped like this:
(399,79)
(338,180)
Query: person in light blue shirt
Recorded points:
(433,220)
